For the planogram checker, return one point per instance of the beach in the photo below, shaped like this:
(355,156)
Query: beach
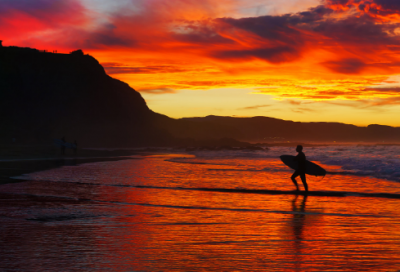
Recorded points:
(201,211)
(16,160)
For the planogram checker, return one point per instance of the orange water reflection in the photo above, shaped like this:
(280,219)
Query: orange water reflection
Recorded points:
(279,234)
(153,229)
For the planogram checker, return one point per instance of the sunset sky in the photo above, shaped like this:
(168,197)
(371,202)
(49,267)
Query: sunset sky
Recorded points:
(301,60)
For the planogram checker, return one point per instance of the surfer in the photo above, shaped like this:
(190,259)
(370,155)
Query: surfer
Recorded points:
(75,147)
(301,170)
(63,145)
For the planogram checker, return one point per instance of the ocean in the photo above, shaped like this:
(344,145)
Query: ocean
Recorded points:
(207,211)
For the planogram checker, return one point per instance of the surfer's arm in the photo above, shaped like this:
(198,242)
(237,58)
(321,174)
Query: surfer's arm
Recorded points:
(300,158)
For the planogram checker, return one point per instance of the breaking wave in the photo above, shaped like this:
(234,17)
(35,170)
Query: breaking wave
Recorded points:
(380,161)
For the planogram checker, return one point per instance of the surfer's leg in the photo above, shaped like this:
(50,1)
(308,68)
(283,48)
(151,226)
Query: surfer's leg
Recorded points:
(295,174)
(303,179)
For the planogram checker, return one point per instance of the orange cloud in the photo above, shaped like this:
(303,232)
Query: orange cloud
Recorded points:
(255,107)
(381,10)
(158,91)
(341,50)
(116,68)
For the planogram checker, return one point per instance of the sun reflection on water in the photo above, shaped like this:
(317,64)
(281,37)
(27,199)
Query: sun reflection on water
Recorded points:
(96,217)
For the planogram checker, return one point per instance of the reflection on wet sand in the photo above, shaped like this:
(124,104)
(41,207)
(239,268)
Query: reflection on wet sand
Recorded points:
(80,219)
(298,226)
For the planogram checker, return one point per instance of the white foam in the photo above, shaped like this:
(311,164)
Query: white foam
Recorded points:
(379,161)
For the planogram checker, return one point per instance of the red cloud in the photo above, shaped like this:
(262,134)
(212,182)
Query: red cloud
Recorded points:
(23,18)
(355,41)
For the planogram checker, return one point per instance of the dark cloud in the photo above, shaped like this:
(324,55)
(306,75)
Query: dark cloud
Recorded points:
(393,5)
(287,29)
(356,66)
(200,34)
(270,28)
(200,38)
(103,36)
(285,38)
(273,55)
(108,37)
(346,66)
(312,15)
(357,30)
(270,38)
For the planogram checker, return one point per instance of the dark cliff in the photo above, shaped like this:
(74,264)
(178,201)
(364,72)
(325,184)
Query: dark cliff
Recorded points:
(46,95)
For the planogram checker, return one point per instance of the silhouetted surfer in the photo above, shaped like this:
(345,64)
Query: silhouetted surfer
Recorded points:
(301,170)
(63,145)
(75,147)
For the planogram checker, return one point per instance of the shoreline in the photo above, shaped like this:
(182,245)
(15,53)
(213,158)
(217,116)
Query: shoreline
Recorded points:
(20,159)
(18,167)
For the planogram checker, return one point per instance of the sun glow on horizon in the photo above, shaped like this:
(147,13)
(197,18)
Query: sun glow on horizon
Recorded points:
(297,60)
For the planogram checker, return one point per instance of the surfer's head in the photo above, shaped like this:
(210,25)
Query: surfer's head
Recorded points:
(299,148)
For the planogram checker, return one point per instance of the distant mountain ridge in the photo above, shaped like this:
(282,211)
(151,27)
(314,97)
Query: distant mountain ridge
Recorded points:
(268,130)
(46,95)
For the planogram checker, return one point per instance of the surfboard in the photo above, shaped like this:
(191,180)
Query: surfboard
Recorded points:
(59,142)
(311,168)
(70,145)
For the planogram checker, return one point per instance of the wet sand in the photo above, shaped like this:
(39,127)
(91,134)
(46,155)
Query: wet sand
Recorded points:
(134,215)
(12,168)
(17,160)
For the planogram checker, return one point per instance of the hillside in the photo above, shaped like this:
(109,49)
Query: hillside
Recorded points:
(266,129)
(48,95)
